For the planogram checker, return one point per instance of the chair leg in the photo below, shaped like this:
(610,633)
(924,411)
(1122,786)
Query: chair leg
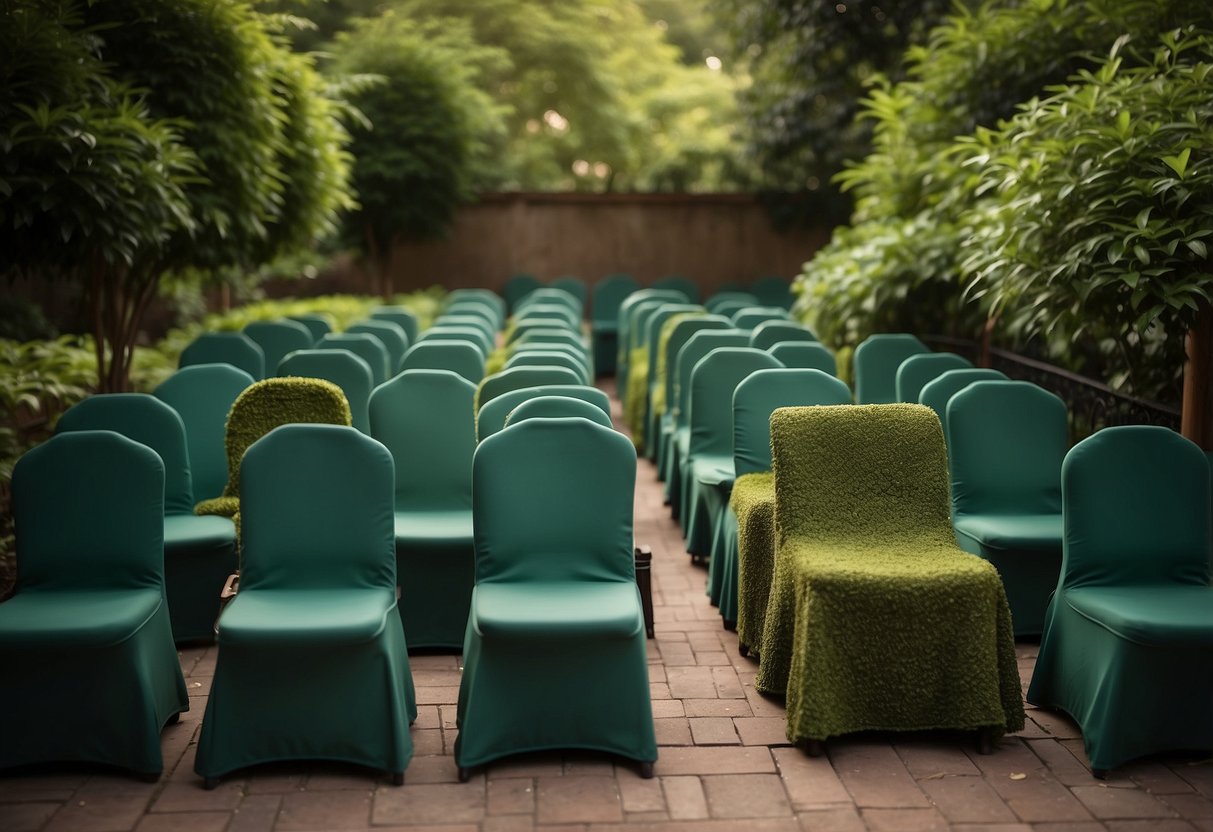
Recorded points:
(985,741)
(174,719)
(209,783)
(1099,773)
(644,582)
(465,774)
(397,778)
(150,776)
(743,651)
(814,748)
(646,770)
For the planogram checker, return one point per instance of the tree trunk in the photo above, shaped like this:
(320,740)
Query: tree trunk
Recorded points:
(1197,421)
(987,336)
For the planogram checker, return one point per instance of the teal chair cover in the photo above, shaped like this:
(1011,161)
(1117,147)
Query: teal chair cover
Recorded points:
(543,358)
(555,594)
(425,419)
(606,297)
(312,661)
(1128,638)
(393,337)
(476,309)
(623,331)
(317,323)
(234,348)
(769,333)
(679,283)
(550,335)
(670,417)
(487,296)
(348,371)
(731,296)
(731,306)
(451,332)
(524,330)
(548,295)
(1006,443)
(573,285)
(367,347)
(652,359)
(876,362)
(474,320)
(558,314)
(937,392)
(199,552)
(464,358)
(519,377)
(805,355)
(773,290)
(633,388)
(492,416)
(277,338)
(202,395)
(558,407)
(90,671)
(749,317)
(918,371)
(517,288)
(401,317)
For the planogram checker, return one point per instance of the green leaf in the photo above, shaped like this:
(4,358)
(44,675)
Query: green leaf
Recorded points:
(1198,248)
(1143,216)
(1142,254)
(1178,163)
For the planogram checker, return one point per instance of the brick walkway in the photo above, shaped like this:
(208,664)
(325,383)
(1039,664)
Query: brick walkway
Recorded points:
(724,763)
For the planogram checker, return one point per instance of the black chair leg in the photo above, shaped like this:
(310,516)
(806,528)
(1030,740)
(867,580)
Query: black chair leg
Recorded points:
(644,581)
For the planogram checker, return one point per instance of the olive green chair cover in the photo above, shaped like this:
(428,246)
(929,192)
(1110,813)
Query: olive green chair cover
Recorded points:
(679,283)
(90,670)
(277,338)
(744,549)
(572,285)
(749,317)
(348,371)
(199,552)
(1128,638)
(367,347)
(769,333)
(451,332)
(876,362)
(729,297)
(312,662)
(555,654)
(557,407)
(550,358)
(391,335)
(876,620)
(259,409)
(425,419)
(937,392)
(667,373)
(1006,442)
(463,358)
(234,348)
(653,396)
(401,317)
(518,377)
(805,355)
(919,370)
(773,290)
(605,299)
(623,333)
(493,415)
(202,395)
(317,323)
(518,287)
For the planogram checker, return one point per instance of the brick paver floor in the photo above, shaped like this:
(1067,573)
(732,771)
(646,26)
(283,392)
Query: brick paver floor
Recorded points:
(724,762)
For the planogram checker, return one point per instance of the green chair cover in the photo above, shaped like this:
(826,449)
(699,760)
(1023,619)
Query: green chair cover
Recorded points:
(234,348)
(550,335)
(606,297)
(773,290)
(919,370)
(769,333)
(476,309)
(555,595)
(539,340)
(937,392)
(518,377)
(464,358)
(731,306)
(425,419)
(451,332)
(199,552)
(745,544)
(401,317)
(393,337)
(348,371)
(560,313)
(1006,443)
(317,323)
(749,317)
(544,358)
(679,283)
(90,671)
(649,430)
(1129,633)
(517,288)
(549,295)
(876,362)
(876,620)
(573,285)
(519,331)
(667,370)
(660,331)
(312,661)
(557,407)
(731,296)
(262,407)
(623,331)
(487,296)
(475,320)
(277,338)
(805,355)
(633,394)
(367,347)
(202,395)
(493,415)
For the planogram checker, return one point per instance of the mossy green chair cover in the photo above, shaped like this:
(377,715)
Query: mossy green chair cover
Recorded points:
(546,358)
(199,552)
(668,348)
(518,287)
(805,355)
(518,377)
(317,323)
(876,362)
(391,335)
(917,371)
(655,381)
(492,416)
(733,296)
(349,372)
(463,358)
(450,332)
(202,395)
(876,620)
(605,299)
(624,334)
(558,407)
(312,660)
(425,419)
(401,317)
(938,392)
(1006,442)
(773,290)
(90,670)
(749,317)
(234,348)
(679,283)
(745,545)
(555,654)
(277,338)
(769,333)
(262,407)
(1127,649)
(367,347)
(573,285)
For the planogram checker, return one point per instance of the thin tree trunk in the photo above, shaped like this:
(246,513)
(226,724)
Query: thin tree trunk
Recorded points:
(987,337)
(1197,420)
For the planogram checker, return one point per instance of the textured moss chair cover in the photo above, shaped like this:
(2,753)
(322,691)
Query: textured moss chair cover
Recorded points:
(558,407)
(1127,649)
(919,370)
(202,395)
(425,419)
(749,317)
(624,334)
(729,297)
(876,620)
(656,361)
(667,373)
(773,290)
(517,288)
(679,283)
(199,552)
(367,347)
(605,298)
(938,392)
(90,671)
(555,655)
(520,377)
(312,660)
(746,543)
(277,338)
(401,317)
(463,358)
(1006,442)
(549,358)
(234,348)
(492,416)
(392,336)
(805,355)
(348,371)
(317,323)
(262,407)
(876,362)
(450,332)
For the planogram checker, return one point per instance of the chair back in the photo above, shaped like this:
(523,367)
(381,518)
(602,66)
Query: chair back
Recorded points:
(401,317)
(563,314)
(493,415)
(517,288)
(696,347)
(769,333)
(656,323)
(367,347)
(464,358)
(277,338)
(608,293)
(713,380)
(806,355)
(773,290)
(557,407)
(549,335)
(760,394)
(667,359)
(919,370)
(348,371)
(518,377)
(625,309)
(234,348)
(731,296)
(391,335)
(574,286)
(476,309)
(466,334)
(876,362)
(549,358)
(472,320)
(936,392)
(551,295)
(679,283)
(486,296)
(317,323)
(749,317)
